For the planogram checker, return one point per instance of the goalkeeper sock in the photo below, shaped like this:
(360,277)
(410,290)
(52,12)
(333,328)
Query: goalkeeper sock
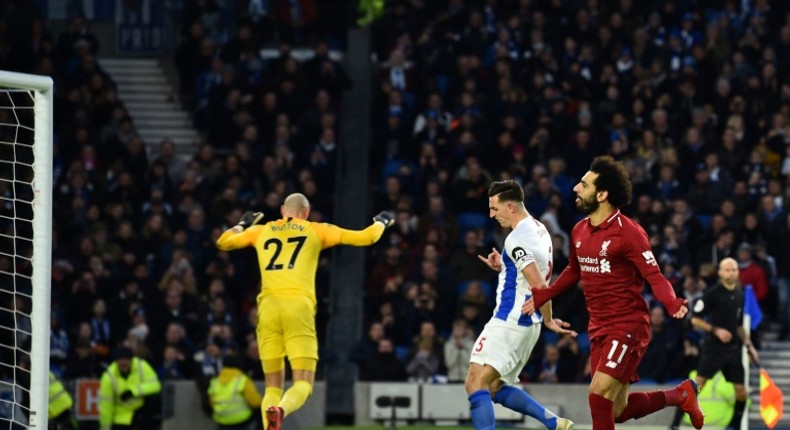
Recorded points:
(482,410)
(295,396)
(271,397)
(641,404)
(518,400)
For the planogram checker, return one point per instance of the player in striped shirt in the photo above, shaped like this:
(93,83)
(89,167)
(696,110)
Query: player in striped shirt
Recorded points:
(504,345)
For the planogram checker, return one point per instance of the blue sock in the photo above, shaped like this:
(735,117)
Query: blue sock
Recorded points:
(482,410)
(518,400)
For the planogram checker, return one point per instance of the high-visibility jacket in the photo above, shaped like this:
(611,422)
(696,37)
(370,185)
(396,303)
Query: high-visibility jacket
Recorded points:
(141,381)
(233,397)
(717,399)
(59,398)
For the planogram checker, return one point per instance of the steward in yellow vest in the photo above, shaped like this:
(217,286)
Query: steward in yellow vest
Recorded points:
(60,403)
(122,391)
(233,396)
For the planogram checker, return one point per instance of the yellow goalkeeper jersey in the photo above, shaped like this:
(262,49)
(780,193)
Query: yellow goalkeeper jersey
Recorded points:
(288,251)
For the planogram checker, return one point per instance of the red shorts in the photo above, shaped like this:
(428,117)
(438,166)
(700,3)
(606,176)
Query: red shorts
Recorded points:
(619,354)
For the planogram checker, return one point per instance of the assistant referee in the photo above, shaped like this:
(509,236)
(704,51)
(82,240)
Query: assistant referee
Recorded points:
(719,313)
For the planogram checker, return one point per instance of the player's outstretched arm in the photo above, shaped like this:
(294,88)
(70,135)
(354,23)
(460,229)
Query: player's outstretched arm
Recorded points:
(365,237)
(640,253)
(233,238)
(249,219)
(540,296)
(386,218)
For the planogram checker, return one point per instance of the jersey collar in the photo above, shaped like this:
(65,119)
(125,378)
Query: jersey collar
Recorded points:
(608,223)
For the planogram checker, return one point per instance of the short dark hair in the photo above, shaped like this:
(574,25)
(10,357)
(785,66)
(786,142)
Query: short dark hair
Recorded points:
(613,178)
(508,191)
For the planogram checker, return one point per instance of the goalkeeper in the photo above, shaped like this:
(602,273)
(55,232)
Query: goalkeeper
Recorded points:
(288,251)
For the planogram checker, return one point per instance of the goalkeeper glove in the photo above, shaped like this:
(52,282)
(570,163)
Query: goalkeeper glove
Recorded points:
(249,219)
(386,218)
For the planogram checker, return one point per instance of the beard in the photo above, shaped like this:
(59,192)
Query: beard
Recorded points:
(588,206)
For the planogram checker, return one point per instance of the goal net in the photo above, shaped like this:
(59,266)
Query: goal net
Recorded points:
(25,248)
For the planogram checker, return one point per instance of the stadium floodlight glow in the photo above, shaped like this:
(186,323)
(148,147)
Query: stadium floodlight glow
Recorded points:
(26,185)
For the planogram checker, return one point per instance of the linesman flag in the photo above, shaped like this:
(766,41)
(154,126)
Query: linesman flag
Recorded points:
(771,401)
(751,307)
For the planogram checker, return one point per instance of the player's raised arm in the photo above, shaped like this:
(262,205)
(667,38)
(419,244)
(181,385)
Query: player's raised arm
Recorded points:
(234,237)
(332,235)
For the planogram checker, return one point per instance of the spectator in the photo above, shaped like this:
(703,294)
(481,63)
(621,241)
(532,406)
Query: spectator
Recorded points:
(721,247)
(457,350)
(384,366)
(366,348)
(171,367)
(83,362)
(664,340)
(640,92)
(549,365)
(751,273)
(464,263)
(58,342)
(425,363)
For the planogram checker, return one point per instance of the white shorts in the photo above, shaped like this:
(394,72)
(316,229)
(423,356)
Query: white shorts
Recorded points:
(505,347)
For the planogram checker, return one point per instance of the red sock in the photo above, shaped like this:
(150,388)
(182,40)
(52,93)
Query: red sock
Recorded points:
(641,404)
(673,397)
(602,411)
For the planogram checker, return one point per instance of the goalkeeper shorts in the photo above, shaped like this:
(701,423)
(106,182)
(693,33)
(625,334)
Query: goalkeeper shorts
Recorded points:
(286,327)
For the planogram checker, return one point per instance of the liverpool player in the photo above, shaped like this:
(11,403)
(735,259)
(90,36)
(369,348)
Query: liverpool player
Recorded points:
(612,257)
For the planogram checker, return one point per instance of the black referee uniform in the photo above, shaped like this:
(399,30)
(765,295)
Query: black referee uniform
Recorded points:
(719,312)
(721,308)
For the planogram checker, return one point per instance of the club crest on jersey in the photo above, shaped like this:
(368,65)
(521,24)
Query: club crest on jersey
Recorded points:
(604,248)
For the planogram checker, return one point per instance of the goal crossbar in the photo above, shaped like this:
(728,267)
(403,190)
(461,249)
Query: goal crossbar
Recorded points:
(24,81)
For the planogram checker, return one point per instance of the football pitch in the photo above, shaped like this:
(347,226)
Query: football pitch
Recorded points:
(382,427)
(430,427)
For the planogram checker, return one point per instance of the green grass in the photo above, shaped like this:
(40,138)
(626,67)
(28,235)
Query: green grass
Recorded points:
(430,427)
(381,427)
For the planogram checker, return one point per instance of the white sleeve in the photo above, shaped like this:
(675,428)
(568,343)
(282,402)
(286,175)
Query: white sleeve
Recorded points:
(518,249)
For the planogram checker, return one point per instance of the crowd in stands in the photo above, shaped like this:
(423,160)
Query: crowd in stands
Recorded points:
(693,96)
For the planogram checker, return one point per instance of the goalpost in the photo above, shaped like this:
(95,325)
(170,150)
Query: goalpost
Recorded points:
(26,161)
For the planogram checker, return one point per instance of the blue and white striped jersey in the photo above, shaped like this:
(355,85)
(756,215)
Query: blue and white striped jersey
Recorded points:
(528,243)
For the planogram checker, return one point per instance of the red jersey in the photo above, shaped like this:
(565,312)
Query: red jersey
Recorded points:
(613,260)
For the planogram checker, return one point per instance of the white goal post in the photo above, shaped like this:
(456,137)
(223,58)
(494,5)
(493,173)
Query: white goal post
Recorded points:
(29,176)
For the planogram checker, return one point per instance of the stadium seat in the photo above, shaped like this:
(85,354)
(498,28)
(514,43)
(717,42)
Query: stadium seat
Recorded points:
(486,287)
(402,352)
(584,343)
(704,221)
(471,221)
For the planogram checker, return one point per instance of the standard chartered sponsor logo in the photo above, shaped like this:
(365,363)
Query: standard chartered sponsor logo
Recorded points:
(587,260)
(593,265)
(589,269)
